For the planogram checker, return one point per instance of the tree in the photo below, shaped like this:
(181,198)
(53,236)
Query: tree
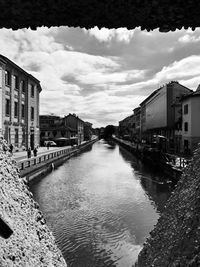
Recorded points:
(109,131)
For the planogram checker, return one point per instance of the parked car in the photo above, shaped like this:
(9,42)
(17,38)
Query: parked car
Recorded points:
(51,143)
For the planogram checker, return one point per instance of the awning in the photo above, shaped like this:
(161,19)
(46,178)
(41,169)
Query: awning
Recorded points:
(61,138)
(160,136)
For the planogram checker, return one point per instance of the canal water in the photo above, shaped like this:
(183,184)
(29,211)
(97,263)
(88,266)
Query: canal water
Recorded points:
(101,205)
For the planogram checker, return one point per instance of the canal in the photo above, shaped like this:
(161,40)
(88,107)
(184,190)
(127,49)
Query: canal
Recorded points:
(101,205)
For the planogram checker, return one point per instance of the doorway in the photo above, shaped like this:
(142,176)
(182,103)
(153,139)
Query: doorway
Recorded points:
(32,140)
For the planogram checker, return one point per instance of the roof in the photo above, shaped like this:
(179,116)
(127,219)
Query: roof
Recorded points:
(193,94)
(75,116)
(50,116)
(157,90)
(7,60)
(127,118)
(88,123)
(150,96)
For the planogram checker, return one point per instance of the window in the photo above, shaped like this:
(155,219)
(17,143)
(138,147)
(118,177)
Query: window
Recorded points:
(32,113)
(23,86)
(23,137)
(7,107)
(23,111)
(186,109)
(7,78)
(16,82)
(16,137)
(186,126)
(16,109)
(186,144)
(32,90)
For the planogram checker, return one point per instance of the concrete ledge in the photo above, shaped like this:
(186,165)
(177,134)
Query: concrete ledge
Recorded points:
(47,165)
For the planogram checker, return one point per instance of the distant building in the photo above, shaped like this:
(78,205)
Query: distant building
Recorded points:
(53,128)
(130,127)
(191,121)
(74,122)
(19,105)
(137,129)
(96,131)
(126,127)
(161,112)
(87,130)
(101,132)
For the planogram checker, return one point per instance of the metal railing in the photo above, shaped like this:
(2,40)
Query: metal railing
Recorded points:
(47,157)
(30,162)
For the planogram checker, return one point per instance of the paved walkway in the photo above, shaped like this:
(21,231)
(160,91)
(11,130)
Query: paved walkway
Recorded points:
(42,150)
(21,155)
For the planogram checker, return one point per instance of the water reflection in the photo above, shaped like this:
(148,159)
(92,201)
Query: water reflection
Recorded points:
(101,205)
(158,186)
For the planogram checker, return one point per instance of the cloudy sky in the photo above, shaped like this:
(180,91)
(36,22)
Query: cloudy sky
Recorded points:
(101,74)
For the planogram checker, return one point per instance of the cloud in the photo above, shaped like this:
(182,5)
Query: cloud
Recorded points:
(102,74)
(190,37)
(183,69)
(103,77)
(72,89)
(106,35)
(191,83)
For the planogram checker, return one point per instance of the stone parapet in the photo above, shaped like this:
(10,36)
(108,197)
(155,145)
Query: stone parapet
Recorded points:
(25,240)
(175,240)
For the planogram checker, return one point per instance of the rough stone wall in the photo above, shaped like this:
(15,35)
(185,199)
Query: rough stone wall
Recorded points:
(149,14)
(31,244)
(175,241)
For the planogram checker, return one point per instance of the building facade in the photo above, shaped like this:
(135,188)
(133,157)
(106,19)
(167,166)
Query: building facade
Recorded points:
(126,127)
(130,127)
(19,109)
(161,113)
(191,121)
(74,122)
(53,128)
(137,132)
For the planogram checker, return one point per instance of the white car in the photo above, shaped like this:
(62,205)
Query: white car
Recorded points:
(51,143)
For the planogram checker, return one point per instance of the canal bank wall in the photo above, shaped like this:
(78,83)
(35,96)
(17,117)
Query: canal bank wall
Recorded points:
(25,239)
(41,165)
(175,240)
(157,160)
